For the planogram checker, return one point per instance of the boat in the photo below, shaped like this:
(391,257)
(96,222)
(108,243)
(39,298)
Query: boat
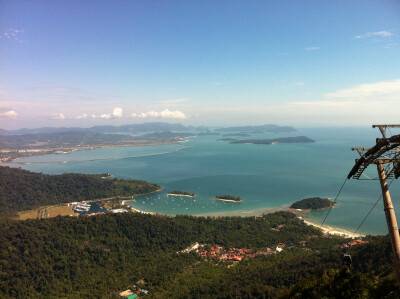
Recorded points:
(82,208)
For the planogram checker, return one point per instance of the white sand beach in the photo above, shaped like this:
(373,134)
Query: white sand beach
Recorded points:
(333,230)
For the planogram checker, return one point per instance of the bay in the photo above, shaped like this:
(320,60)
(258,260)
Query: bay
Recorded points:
(264,176)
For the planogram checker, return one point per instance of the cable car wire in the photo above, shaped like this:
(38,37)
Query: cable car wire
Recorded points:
(373,207)
(340,190)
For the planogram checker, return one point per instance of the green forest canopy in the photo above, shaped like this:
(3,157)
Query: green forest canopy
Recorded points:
(313,203)
(101,255)
(23,190)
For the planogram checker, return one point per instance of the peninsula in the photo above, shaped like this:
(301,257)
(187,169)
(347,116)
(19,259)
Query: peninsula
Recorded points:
(22,190)
(228,198)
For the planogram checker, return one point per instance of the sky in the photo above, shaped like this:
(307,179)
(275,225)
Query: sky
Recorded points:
(218,63)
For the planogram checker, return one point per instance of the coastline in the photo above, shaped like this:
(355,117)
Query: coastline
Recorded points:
(140,211)
(124,202)
(258,212)
(14,162)
(333,230)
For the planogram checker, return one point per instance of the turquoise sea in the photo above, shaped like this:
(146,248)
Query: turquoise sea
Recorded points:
(264,176)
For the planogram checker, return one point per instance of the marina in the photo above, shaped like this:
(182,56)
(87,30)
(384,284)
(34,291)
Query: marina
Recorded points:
(84,208)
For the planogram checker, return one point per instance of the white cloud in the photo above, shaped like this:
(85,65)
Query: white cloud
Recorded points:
(383,33)
(58,116)
(105,116)
(367,90)
(117,112)
(11,114)
(83,116)
(173,114)
(93,116)
(312,48)
(153,114)
(163,114)
(13,34)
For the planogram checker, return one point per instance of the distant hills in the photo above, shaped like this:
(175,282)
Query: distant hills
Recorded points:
(47,138)
(134,128)
(151,127)
(62,139)
(81,139)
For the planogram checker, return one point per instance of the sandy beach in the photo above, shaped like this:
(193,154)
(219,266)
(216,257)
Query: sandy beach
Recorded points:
(140,211)
(333,230)
(123,203)
(15,162)
(258,212)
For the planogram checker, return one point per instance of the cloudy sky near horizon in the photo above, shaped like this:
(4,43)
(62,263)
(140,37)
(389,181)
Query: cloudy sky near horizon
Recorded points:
(301,63)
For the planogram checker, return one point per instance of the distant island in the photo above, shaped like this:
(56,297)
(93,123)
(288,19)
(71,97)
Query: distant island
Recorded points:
(226,139)
(208,134)
(237,134)
(261,129)
(229,198)
(63,140)
(298,139)
(312,203)
(181,193)
(165,135)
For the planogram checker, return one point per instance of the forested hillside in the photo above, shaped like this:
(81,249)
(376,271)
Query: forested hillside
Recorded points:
(100,256)
(313,203)
(22,190)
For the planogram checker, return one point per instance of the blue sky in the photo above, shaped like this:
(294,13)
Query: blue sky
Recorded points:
(301,63)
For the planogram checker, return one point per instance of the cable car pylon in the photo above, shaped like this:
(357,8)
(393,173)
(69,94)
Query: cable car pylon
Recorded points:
(386,156)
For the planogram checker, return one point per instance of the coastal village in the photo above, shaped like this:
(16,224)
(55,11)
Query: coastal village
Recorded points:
(219,253)
(229,256)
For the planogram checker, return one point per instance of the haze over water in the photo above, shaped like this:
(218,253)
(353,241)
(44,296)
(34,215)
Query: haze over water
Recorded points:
(264,176)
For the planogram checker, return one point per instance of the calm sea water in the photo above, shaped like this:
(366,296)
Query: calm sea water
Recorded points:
(263,175)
